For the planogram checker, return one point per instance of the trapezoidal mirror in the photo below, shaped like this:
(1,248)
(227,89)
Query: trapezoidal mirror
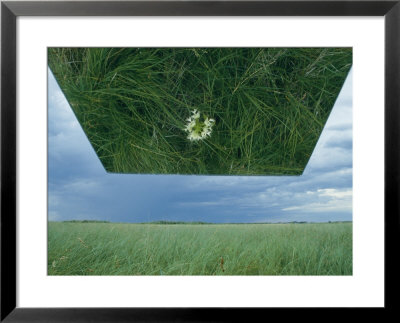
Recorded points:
(208,111)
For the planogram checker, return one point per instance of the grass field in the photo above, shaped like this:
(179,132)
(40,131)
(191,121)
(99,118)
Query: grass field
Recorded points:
(268,105)
(202,249)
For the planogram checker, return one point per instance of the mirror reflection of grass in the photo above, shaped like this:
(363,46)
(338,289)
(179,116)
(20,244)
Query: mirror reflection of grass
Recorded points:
(199,249)
(268,105)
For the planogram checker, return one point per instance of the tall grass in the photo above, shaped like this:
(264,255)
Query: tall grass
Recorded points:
(208,249)
(270,105)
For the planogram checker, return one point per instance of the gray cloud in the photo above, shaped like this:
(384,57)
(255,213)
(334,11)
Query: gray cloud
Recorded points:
(79,187)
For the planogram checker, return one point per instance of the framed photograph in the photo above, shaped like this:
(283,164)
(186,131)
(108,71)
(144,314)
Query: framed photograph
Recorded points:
(195,160)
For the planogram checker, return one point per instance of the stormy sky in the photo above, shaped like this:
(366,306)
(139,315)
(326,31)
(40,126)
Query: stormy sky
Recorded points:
(79,188)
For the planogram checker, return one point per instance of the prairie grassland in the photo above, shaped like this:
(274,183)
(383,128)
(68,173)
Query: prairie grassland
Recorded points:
(207,249)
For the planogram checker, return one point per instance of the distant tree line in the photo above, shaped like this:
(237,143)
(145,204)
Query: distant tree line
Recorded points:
(86,221)
(198,222)
(177,222)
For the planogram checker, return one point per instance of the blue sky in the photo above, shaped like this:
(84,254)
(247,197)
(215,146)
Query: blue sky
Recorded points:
(79,188)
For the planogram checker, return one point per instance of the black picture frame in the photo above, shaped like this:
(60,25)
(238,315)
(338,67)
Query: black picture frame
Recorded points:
(10,10)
